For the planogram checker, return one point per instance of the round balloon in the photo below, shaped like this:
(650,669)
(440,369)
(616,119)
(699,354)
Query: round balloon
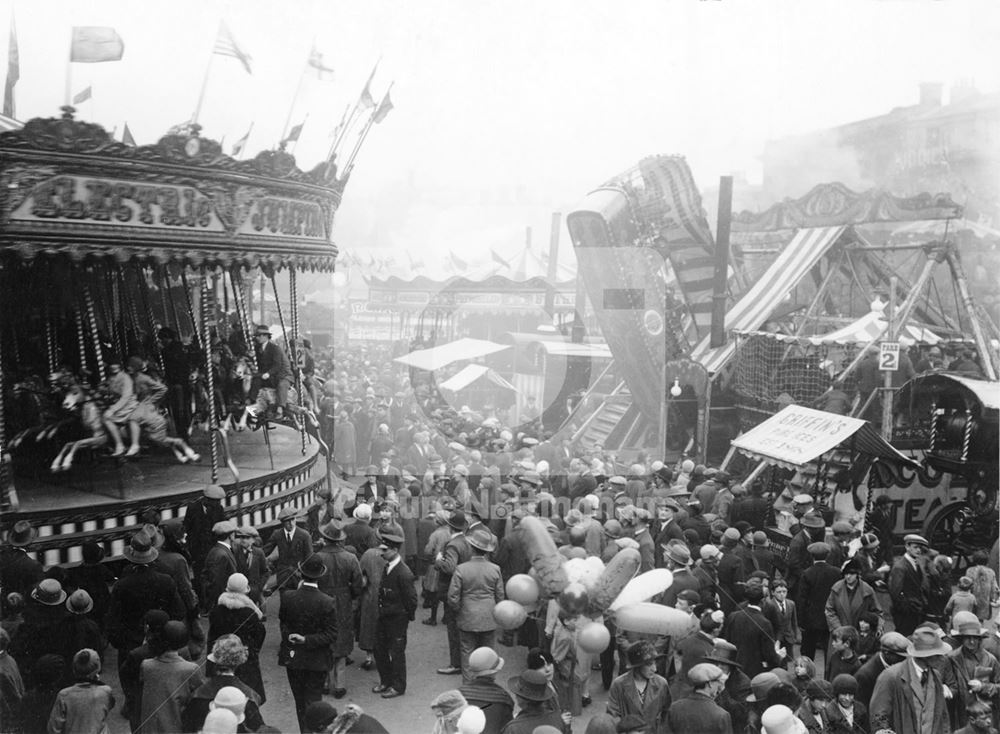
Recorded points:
(573,599)
(509,615)
(523,589)
(653,619)
(472,720)
(594,638)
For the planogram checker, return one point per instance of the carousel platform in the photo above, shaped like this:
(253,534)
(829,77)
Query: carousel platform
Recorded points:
(100,498)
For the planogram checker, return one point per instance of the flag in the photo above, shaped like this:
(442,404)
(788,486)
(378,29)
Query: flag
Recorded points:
(225,45)
(497,259)
(83,96)
(13,71)
(383,109)
(316,66)
(365,101)
(458,262)
(293,136)
(241,144)
(127,136)
(93,44)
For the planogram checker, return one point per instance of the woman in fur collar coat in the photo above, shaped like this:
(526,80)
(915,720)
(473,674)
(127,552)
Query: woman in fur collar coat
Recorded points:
(237,614)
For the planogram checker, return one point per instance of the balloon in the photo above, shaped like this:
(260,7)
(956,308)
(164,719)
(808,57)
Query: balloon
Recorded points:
(619,570)
(472,720)
(643,588)
(523,589)
(573,599)
(594,638)
(509,615)
(545,558)
(653,619)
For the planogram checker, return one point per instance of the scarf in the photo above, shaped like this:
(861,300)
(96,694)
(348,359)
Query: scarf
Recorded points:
(234,600)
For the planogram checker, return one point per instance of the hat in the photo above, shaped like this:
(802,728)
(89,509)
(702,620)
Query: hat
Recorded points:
(226,527)
(869,540)
(965,583)
(140,549)
(709,551)
(263,330)
(371,470)
(532,685)
(21,534)
(668,502)
(640,653)
(760,538)
(803,499)
(689,595)
(780,720)
(842,528)
(925,643)
(852,565)
(812,520)
(677,552)
(237,583)
(918,539)
(92,552)
(458,521)
(818,550)
(362,512)
(86,663)
(228,651)
(49,592)
(319,715)
(79,602)
(214,492)
(966,624)
(287,513)
(845,683)
(333,531)
(613,529)
(460,469)
(434,459)
(312,568)
(818,688)
(484,661)
(760,684)
(724,652)
(618,480)
(392,534)
(705,673)
(482,539)
(247,531)
(232,698)
(893,642)
(731,537)
(531,477)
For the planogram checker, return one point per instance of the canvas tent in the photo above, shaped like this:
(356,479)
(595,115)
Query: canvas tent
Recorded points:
(456,351)
(469,374)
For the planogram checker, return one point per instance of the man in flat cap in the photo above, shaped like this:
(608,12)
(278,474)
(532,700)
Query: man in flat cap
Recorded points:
(892,649)
(906,586)
(220,563)
(293,545)
(200,517)
(275,369)
(698,711)
(814,590)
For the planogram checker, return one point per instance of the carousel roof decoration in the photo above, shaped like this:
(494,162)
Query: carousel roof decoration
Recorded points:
(67,187)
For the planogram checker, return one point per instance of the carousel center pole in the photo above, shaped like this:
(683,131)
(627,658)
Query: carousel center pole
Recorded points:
(206,342)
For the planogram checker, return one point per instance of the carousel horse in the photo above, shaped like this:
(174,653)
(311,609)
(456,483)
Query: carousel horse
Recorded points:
(77,399)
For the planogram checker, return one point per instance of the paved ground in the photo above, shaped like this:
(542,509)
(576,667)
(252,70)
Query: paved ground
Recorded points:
(410,714)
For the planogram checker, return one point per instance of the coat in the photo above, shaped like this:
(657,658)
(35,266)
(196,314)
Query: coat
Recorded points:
(527,721)
(476,588)
(754,635)
(691,649)
(360,536)
(309,612)
(866,676)
(82,709)
(456,552)
(220,564)
(18,571)
(397,594)
(698,714)
(176,566)
(372,567)
(199,517)
(167,684)
(343,583)
(844,608)
(198,705)
(906,588)
(786,624)
(893,707)
(814,590)
(493,699)
(139,590)
(290,555)
(838,722)
(957,674)
(623,699)
(235,614)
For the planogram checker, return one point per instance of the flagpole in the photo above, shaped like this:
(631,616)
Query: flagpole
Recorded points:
(295,142)
(204,82)
(295,98)
(364,133)
(245,139)
(350,120)
(339,129)
(69,71)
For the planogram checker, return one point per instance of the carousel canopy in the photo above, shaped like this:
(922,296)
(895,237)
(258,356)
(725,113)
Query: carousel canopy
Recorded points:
(472,372)
(798,435)
(442,356)
(70,189)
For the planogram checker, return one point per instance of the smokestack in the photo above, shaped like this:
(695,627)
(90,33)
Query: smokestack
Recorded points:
(931,94)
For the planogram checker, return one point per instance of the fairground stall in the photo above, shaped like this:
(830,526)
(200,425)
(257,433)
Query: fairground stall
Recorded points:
(122,259)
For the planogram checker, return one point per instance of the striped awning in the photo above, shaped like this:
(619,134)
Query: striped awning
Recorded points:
(798,435)
(779,280)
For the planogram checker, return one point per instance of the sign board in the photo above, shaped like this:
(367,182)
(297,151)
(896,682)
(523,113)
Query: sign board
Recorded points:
(888,356)
(368,323)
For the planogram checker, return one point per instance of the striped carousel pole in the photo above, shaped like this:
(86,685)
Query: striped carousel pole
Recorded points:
(239,300)
(294,295)
(95,336)
(206,341)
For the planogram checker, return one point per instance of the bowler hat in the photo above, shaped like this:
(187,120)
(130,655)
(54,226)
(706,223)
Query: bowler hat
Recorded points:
(812,520)
(458,521)
(79,602)
(22,534)
(484,661)
(532,685)
(312,568)
(140,549)
(49,592)
(760,538)
(613,529)
(263,330)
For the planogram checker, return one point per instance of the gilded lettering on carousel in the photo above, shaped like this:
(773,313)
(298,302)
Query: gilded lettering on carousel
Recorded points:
(275,216)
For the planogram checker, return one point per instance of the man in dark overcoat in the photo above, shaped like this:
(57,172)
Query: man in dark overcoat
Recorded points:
(397,607)
(752,632)
(814,590)
(294,546)
(343,583)
(698,711)
(199,518)
(19,572)
(220,563)
(456,552)
(906,586)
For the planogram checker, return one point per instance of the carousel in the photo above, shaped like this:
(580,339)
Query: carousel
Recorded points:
(131,374)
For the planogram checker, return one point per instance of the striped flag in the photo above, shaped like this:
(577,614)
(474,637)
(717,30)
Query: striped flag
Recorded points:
(13,70)
(383,109)
(82,96)
(318,67)
(94,44)
(127,136)
(225,45)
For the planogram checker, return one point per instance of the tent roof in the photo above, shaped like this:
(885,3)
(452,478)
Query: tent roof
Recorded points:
(443,355)
(798,435)
(863,331)
(755,307)
(518,266)
(9,123)
(469,374)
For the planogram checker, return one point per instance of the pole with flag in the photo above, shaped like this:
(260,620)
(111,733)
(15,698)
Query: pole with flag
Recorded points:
(377,116)
(83,95)
(92,45)
(127,136)
(13,70)
(314,66)
(241,144)
(365,102)
(225,45)
(293,135)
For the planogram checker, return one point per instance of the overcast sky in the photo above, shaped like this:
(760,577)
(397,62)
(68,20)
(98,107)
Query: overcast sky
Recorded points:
(507,111)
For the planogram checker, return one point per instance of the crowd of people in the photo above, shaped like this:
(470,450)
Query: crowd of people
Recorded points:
(819,627)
